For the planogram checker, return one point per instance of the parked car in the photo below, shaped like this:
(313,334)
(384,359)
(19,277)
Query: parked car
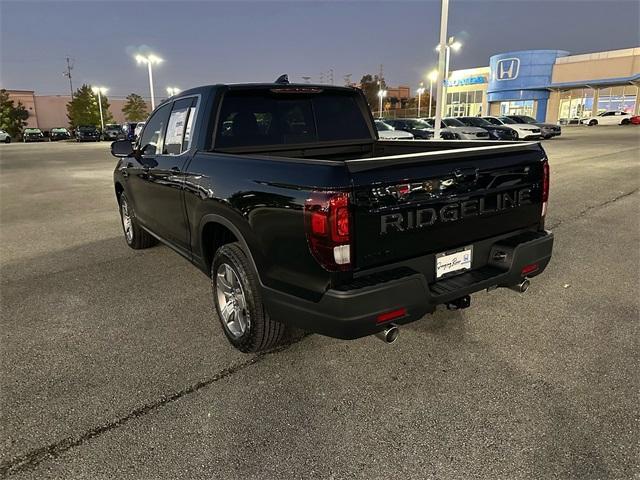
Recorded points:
(33,135)
(414,126)
(496,132)
(387,132)
(635,120)
(610,117)
(524,131)
(127,131)
(464,131)
(87,133)
(450,130)
(59,133)
(547,130)
(302,217)
(111,131)
(5,137)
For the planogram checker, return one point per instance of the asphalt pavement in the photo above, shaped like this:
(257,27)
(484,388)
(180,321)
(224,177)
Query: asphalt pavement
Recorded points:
(111,365)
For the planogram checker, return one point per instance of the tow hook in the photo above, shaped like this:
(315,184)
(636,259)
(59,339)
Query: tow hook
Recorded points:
(460,303)
(521,287)
(389,334)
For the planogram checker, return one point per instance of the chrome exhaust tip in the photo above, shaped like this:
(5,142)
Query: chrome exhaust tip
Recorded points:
(521,287)
(389,334)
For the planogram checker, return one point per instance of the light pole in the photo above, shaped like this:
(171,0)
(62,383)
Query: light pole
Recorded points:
(433,76)
(100,91)
(381,94)
(171,91)
(452,44)
(420,92)
(149,60)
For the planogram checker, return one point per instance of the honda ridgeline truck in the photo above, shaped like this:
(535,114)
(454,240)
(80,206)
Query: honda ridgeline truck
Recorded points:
(284,195)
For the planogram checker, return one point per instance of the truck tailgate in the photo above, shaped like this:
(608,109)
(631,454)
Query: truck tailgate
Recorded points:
(418,204)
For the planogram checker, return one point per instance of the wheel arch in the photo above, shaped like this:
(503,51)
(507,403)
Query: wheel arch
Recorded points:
(216,231)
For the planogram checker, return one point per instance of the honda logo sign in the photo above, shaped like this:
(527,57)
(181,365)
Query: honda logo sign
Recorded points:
(507,69)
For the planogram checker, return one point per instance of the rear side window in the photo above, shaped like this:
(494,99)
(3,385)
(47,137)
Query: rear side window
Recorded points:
(258,118)
(179,127)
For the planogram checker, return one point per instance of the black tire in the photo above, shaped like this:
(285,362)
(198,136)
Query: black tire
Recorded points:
(138,238)
(516,135)
(625,121)
(593,123)
(7,140)
(261,332)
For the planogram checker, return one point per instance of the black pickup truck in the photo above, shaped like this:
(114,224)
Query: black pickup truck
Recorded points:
(284,195)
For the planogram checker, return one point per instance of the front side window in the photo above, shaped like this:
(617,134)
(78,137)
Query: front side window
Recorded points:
(151,138)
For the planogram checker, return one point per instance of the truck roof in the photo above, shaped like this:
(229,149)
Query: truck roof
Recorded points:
(258,86)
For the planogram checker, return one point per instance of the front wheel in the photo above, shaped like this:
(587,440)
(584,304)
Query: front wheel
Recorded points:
(7,140)
(238,303)
(593,123)
(135,236)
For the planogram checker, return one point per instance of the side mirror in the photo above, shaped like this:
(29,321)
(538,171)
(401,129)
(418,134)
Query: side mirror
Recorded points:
(122,149)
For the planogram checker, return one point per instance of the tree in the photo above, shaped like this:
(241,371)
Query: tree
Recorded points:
(83,109)
(370,85)
(135,110)
(12,117)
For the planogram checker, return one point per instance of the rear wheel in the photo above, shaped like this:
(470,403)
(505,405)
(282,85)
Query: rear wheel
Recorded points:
(7,140)
(593,123)
(135,236)
(238,303)
(625,121)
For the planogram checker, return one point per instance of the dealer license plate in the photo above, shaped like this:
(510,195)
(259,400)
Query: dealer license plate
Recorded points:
(449,262)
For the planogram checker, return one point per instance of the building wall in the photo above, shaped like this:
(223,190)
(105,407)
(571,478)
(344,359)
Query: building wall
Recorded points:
(597,66)
(27,98)
(464,81)
(50,111)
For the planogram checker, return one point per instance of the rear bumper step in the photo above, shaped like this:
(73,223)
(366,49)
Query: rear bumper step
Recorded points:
(352,311)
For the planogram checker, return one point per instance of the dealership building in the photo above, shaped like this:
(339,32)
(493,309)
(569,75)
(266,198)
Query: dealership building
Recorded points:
(549,85)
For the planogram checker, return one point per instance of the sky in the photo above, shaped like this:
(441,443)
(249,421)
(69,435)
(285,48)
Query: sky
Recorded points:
(218,42)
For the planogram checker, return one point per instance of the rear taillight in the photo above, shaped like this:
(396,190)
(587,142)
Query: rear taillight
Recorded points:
(545,186)
(328,226)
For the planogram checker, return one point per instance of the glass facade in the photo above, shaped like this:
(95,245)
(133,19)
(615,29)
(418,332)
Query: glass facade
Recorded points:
(464,104)
(578,103)
(518,107)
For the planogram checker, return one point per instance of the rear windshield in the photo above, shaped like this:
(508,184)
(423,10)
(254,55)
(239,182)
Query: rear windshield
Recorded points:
(261,118)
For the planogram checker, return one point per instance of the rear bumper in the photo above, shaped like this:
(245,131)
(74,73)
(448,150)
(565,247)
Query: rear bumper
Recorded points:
(351,312)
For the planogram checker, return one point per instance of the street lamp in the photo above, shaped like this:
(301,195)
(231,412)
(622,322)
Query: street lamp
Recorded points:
(433,76)
(100,91)
(149,60)
(452,44)
(381,94)
(173,91)
(420,92)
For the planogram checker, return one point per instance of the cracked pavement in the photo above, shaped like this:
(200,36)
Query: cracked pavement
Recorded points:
(111,366)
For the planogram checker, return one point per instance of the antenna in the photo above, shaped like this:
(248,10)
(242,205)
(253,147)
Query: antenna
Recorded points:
(283,79)
(67,73)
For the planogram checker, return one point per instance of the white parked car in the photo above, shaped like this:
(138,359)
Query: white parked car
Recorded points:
(387,132)
(610,117)
(5,137)
(525,131)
